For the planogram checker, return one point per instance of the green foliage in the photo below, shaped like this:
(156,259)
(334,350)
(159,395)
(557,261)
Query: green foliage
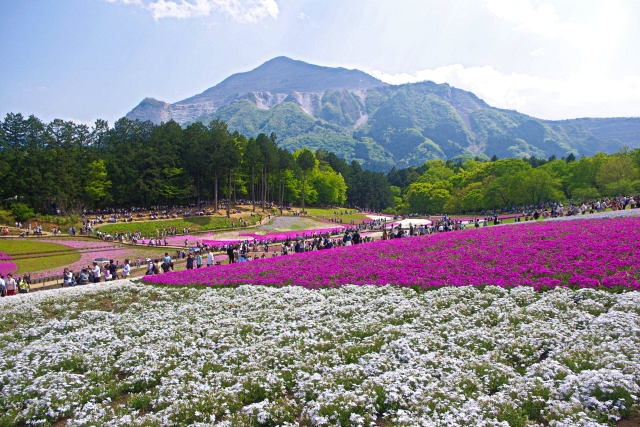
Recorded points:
(21,212)
(427,198)
(584,193)
(97,181)
(330,187)
(615,175)
(141,164)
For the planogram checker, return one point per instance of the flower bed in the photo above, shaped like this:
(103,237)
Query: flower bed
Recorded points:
(126,354)
(6,266)
(90,250)
(261,238)
(588,253)
(82,244)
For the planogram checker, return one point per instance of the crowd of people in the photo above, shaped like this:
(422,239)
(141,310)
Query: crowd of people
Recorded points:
(252,249)
(95,273)
(10,284)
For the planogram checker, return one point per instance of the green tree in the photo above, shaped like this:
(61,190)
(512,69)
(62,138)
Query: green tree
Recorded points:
(330,187)
(616,168)
(536,186)
(98,182)
(21,212)
(251,158)
(305,161)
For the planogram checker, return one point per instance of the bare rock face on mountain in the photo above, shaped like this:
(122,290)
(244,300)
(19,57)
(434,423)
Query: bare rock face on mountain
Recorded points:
(270,84)
(362,118)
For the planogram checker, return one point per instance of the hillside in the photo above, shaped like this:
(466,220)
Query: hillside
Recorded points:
(361,118)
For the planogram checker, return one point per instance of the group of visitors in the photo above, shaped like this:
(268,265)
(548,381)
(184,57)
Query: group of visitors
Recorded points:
(36,230)
(95,274)
(9,285)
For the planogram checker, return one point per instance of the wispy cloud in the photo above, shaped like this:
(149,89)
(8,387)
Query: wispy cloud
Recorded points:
(600,27)
(550,98)
(240,10)
(538,18)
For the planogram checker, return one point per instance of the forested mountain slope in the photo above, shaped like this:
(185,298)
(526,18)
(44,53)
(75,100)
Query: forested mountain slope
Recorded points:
(357,116)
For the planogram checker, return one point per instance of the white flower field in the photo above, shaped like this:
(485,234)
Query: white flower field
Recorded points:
(135,354)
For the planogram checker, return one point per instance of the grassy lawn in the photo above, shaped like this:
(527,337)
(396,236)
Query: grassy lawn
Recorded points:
(199,223)
(20,247)
(46,262)
(35,263)
(328,212)
(324,214)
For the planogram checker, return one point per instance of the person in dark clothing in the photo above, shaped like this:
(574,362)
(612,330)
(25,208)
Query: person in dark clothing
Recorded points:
(189,262)
(230,254)
(113,270)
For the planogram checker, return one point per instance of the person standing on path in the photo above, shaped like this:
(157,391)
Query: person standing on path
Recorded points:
(199,260)
(209,258)
(96,273)
(11,285)
(189,262)
(113,269)
(126,270)
(230,253)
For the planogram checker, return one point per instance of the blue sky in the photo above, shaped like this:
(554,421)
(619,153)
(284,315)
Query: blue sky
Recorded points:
(88,59)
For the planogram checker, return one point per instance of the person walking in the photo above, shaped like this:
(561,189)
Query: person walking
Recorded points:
(209,258)
(189,262)
(199,260)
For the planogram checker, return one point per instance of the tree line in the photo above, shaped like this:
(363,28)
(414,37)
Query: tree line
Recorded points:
(474,185)
(68,166)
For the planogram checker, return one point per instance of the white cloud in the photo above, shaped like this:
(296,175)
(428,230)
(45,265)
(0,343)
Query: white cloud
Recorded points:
(240,10)
(549,98)
(303,16)
(538,52)
(601,27)
(540,18)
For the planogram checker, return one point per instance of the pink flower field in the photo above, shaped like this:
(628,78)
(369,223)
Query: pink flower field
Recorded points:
(89,250)
(601,253)
(208,239)
(6,266)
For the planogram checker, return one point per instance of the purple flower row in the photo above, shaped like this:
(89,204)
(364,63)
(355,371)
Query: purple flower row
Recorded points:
(81,244)
(262,238)
(6,266)
(587,253)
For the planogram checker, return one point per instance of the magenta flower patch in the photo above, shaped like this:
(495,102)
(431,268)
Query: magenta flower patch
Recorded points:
(580,254)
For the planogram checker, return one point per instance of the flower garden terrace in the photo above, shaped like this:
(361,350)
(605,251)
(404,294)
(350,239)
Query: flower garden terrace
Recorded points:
(586,253)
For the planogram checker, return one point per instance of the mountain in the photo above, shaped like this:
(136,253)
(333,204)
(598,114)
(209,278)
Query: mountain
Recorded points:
(362,118)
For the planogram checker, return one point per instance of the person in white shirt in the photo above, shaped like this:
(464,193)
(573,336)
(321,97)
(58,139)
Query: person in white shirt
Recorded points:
(126,270)
(10,285)
(209,259)
(96,272)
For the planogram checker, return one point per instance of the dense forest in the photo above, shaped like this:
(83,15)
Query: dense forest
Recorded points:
(68,166)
